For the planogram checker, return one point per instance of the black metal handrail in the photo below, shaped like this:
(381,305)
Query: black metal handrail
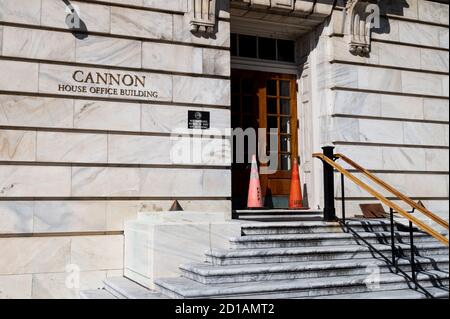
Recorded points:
(393,260)
(393,247)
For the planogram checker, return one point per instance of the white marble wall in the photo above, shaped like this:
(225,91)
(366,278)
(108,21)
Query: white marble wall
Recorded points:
(391,106)
(393,55)
(44,267)
(100,115)
(59,216)
(387,158)
(112,51)
(81,181)
(74,167)
(114,20)
(173,5)
(412,22)
(388,80)
(42,78)
(64,147)
(30,111)
(402,181)
(422,10)
(394,132)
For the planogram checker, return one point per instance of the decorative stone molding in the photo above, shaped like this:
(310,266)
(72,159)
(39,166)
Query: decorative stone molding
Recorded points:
(359,16)
(203,16)
(320,8)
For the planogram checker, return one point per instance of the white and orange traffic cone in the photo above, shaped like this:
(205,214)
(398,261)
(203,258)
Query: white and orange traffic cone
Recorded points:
(254,190)
(295,196)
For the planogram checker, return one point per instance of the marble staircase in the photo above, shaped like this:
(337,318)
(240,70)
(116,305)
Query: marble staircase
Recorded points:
(311,259)
(302,259)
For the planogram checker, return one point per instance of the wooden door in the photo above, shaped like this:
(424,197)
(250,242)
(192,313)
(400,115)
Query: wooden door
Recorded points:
(278,107)
(265,100)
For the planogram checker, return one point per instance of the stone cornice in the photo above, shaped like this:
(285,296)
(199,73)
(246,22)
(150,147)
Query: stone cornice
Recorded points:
(319,8)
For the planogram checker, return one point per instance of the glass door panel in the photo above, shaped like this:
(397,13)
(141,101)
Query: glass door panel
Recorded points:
(280,116)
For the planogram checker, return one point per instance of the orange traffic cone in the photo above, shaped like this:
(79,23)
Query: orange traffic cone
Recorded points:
(254,190)
(295,196)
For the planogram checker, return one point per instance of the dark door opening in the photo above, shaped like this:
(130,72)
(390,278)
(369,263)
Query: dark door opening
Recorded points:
(265,100)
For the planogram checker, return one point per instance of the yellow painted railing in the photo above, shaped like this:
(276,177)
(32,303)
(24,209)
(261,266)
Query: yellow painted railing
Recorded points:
(420,224)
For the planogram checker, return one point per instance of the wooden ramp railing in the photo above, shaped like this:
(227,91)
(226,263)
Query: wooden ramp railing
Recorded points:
(394,191)
(393,206)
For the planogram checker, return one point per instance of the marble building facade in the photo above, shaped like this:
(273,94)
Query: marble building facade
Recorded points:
(80,155)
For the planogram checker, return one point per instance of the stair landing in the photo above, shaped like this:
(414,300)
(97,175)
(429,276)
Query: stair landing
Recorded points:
(121,288)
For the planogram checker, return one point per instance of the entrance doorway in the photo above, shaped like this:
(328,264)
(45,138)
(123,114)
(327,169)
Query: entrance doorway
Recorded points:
(265,100)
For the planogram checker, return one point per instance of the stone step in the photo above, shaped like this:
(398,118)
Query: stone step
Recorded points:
(438,293)
(96,294)
(277,218)
(278,211)
(124,288)
(182,287)
(279,228)
(209,274)
(286,215)
(299,254)
(322,239)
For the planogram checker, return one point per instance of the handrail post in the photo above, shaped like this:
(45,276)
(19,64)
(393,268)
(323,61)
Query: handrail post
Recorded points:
(329,211)
(343,197)
(393,249)
(413,260)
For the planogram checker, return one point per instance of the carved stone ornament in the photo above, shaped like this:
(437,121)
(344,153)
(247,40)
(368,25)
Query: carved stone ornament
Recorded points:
(203,16)
(360,16)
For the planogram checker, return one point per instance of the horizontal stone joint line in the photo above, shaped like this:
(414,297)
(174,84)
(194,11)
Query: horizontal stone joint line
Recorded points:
(112,99)
(112,35)
(394,119)
(117,165)
(131,6)
(396,42)
(60,234)
(392,198)
(390,145)
(109,198)
(406,44)
(112,67)
(406,172)
(353,89)
(401,18)
(107,132)
(390,67)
